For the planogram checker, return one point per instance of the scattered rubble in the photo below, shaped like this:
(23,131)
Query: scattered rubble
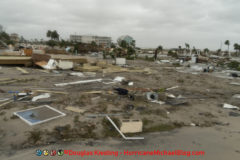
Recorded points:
(75,109)
(145,96)
(236,96)
(234,114)
(121,61)
(42,96)
(78,82)
(229,106)
(151,96)
(22,70)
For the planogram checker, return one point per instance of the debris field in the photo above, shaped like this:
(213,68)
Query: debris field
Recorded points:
(140,97)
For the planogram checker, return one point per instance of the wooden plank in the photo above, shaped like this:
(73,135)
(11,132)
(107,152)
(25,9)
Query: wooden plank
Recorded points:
(47,91)
(22,70)
(15,60)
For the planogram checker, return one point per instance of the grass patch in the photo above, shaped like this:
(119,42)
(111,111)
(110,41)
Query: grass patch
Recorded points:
(147,58)
(76,119)
(161,90)
(5,119)
(34,136)
(158,112)
(180,80)
(83,100)
(159,127)
(68,133)
(16,80)
(234,65)
(2,113)
(176,65)
(102,107)
(173,109)
(14,117)
(146,121)
(108,129)
(220,63)
(163,127)
(62,132)
(172,54)
(8,106)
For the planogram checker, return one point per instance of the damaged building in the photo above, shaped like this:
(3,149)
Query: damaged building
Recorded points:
(99,40)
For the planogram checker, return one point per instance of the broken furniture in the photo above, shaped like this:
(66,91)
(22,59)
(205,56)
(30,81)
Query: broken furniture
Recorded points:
(47,61)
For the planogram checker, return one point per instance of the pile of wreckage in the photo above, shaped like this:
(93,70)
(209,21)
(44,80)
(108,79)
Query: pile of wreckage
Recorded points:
(46,61)
(63,61)
(87,67)
(223,67)
(83,67)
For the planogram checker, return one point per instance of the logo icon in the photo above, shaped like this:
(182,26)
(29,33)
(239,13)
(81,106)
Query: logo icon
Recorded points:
(53,153)
(60,152)
(45,152)
(38,152)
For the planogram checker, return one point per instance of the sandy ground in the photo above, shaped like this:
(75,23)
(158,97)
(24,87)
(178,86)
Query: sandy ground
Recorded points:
(218,143)
(216,133)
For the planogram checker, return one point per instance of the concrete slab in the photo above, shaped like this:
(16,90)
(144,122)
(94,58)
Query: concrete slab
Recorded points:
(131,126)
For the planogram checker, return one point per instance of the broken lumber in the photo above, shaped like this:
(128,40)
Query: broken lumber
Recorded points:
(78,82)
(27,61)
(75,109)
(47,91)
(22,70)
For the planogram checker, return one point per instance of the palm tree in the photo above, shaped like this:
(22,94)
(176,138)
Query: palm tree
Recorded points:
(55,35)
(194,50)
(219,52)
(236,46)
(227,42)
(158,49)
(206,50)
(187,47)
(123,44)
(49,34)
(179,49)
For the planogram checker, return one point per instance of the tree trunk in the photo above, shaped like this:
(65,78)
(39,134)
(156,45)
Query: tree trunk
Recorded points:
(229,52)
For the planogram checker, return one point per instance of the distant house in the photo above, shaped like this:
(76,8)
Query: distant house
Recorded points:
(126,38)
(99,40)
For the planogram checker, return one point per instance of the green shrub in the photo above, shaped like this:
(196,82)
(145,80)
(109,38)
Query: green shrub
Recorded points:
(234,65)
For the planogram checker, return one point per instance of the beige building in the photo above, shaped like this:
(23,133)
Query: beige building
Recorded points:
(14,37)
(104,41)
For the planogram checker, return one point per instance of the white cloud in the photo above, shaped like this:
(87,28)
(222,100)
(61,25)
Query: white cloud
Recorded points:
(202,23)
